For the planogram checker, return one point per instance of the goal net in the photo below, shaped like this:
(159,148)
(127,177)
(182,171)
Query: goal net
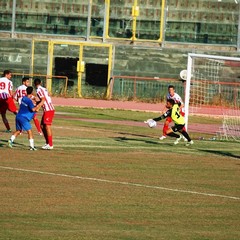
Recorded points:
(213,88)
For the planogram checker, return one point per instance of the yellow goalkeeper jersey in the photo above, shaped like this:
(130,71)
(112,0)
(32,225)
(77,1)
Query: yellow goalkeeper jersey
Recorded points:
(176,116)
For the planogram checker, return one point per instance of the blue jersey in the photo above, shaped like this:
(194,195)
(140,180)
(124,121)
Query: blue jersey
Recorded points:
(25,110)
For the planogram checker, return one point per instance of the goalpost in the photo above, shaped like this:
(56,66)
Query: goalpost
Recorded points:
(214,82)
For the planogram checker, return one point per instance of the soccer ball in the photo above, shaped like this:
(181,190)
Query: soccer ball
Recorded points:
(151,123)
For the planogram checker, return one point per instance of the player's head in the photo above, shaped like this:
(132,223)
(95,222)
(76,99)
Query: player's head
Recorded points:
(7,74)
(29,90)
(170,103)
(37,82)
(171,90)
(25,81)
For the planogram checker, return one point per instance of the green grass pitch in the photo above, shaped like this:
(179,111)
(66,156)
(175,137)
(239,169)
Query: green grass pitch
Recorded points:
(116,180)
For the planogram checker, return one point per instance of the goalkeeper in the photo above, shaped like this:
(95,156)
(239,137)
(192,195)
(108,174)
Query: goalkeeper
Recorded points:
(179,122)
(172,95)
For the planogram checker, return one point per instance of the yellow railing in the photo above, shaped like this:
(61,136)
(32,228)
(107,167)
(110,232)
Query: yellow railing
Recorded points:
(136,13)
(80,70)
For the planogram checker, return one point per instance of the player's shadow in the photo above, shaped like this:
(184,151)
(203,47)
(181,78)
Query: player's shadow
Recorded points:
(133,134)
(222,153)
(126,139)
(4,143)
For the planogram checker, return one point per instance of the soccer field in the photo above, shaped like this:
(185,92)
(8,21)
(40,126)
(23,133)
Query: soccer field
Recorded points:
(109,177)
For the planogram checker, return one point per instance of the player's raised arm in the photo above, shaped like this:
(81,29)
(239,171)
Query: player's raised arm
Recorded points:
(152,122)
(163,116)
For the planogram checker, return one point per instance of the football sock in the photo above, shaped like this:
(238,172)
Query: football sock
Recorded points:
(172,134)
(165,128)
(50,142)
(185,134)
(31,142)
(12,138)
(37,124)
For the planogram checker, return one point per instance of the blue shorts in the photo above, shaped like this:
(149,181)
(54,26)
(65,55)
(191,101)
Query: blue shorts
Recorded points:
(23,124)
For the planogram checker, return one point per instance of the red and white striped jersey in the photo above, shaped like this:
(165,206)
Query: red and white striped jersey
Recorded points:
(43,93)
(20,93)
(5,87)
(175,97)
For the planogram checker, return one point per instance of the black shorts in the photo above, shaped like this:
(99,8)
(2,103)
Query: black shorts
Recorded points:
(177,127)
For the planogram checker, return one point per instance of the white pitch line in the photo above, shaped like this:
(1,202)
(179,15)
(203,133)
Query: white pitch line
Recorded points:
(122,183)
